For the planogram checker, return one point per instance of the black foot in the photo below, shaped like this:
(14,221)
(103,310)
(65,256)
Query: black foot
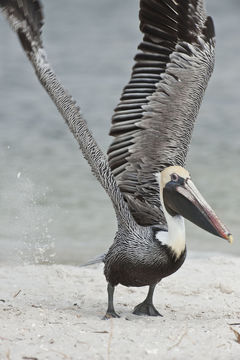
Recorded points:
(146,309)
(110,315)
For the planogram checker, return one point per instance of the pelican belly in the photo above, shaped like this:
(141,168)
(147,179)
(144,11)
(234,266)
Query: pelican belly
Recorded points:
(144,260)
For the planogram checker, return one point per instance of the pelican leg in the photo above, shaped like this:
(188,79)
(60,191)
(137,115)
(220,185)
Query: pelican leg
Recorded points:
(110,310)
(147,307)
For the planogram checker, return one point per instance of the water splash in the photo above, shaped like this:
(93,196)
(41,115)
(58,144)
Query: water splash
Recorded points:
(31,221)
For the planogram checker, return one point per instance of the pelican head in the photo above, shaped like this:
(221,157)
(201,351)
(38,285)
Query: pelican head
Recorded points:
(179,196)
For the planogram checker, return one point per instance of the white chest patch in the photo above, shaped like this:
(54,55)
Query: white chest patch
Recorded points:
(175,236)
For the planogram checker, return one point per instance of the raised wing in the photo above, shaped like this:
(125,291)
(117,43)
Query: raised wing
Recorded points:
(153,122)
(26,19)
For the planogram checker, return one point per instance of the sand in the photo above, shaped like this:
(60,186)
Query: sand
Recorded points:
(54,312)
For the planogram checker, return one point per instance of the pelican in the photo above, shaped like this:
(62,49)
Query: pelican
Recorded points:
(144,173)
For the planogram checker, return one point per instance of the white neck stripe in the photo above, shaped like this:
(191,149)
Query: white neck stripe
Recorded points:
(175,236)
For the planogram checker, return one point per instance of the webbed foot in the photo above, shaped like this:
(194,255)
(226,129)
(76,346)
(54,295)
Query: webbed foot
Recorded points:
(146,309)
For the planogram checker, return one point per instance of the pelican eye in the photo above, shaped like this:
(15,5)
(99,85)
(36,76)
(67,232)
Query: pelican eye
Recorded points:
(174,177)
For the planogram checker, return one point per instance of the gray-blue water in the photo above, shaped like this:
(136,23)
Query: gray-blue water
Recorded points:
(51,207)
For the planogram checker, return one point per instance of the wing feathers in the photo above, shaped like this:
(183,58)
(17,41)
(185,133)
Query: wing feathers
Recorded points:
(156,114)
(25,17)
(209,30)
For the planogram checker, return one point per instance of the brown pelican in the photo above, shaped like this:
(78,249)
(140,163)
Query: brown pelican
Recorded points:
(144,176)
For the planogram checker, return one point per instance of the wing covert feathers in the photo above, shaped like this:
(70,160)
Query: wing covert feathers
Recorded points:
(153,122)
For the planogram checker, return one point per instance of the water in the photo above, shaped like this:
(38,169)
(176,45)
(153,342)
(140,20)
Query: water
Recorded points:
(52,208)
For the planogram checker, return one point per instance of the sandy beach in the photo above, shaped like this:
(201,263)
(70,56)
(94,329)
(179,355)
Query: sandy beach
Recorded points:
(54,312)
